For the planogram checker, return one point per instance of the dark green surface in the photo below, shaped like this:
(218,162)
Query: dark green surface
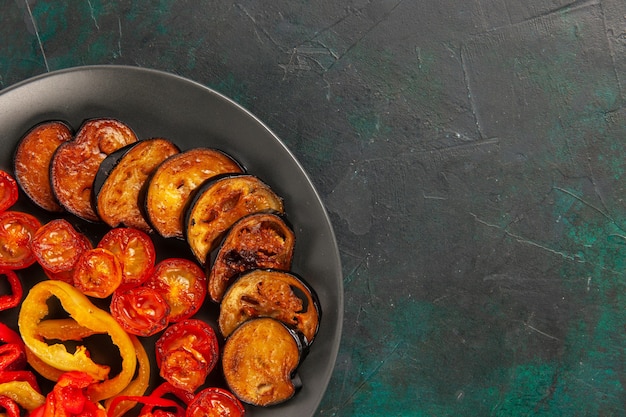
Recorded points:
(470,155)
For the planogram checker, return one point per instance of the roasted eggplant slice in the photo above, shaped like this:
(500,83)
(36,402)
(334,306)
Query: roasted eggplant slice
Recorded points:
(75,163)
(121,180)
(219,203)
(259,240)
(32,162)
(271,293)
(173,182)
(259,361)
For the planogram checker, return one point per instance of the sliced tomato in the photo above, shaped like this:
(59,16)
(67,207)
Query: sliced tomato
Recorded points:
(183,285)
(16,232)
(97,273)
(141,311)
(215,402)
(186,353)
(57,246)
(135,250)
(8,190)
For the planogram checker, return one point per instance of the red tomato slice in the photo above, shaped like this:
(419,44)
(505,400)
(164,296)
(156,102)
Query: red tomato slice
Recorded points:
(8,190)
(183,285)
(16,231)
(215,402)
(141,311)
(97,273)
(186,353)
(57,246)
(135,250)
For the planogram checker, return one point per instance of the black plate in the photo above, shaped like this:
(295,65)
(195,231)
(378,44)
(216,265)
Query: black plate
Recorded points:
(157,104)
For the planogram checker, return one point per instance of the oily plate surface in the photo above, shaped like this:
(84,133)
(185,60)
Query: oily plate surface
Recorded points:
(157,104)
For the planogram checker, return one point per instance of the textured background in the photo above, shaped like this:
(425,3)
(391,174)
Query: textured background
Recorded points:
(470,155)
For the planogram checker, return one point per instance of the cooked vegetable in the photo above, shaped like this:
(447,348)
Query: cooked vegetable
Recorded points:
(16,232)
(121,180)
(141,311)
(97,273)
(259,240)
(219,204)
(135,250)
(215,402)
(186,353)
(32,162)
(35,309)
(23,393)
(9,406)
(75,163)
(8,190)
(183,285)
(259,360)
(69,398)
(271,293)
(14,298)
(173,182)
(57,245)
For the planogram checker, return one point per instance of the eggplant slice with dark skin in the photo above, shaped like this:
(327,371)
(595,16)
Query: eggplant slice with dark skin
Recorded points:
(259,240)
(172,183)
(259,362)
(75,163)
(270,293)
(121,179)
(31,162)
(218,204)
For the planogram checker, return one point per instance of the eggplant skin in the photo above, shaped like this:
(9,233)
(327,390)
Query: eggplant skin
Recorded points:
(281,295)
(118,199)
(218,204)
(259,360)
(31,161)
(259,240)
(75,163)
(173,182)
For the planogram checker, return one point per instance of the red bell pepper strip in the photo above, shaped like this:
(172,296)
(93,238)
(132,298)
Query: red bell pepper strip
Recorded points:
(8,335)
(149,401)
(11,300)
(10,406)
(12,357)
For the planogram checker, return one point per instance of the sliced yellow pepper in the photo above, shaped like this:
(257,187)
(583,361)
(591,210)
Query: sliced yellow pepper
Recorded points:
(35,308)
(23,394)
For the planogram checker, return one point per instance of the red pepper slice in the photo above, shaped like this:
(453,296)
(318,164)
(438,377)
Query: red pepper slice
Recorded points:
(57,245)
(11,408)
(23,375)
(215,402)
(69,398)
(12,357)
(135,250)
(166,388)
(97,273)
(8,190)
(183,285)
(11,300)
(8,335)
(186,353)
(16,231)
(141,311)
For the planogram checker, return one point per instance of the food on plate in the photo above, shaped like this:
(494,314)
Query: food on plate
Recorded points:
(258,240)
(214,401)
(120,181)
(183,285)
(259,360)
(271,293)
(175,180)
(75,163)
(186,353)
(35,308)
(141,311)
(32,158)
(135,250)
(219,203)
(13,298)
(70,397)
(16,232)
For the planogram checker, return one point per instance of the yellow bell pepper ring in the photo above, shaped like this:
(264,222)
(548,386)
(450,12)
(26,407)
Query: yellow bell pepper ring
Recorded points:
(23,394)
(35,308)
